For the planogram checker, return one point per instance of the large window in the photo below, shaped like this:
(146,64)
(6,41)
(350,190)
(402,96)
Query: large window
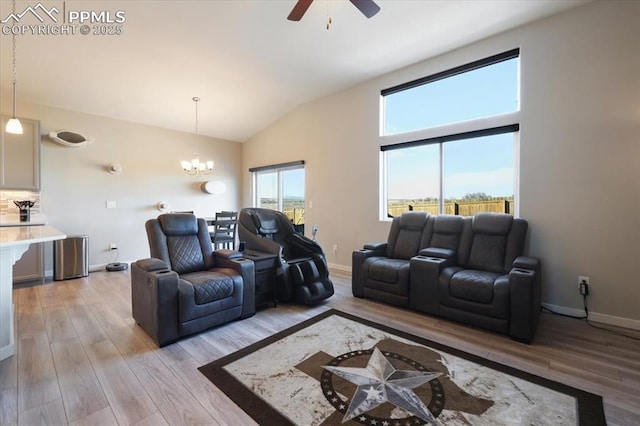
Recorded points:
(453,140)
(281,187)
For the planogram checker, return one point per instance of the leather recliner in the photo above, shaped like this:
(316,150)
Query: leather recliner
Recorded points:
(185,287)
(302,274)
(382,270)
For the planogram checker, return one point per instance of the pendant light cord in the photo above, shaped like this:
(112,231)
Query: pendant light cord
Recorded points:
(196,100)
(13,41)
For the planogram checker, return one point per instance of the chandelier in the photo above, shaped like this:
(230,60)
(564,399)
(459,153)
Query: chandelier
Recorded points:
(196,166)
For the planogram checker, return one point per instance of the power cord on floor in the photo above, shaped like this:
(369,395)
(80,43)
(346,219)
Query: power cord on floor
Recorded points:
(586,311)
(586,318)
(563,315)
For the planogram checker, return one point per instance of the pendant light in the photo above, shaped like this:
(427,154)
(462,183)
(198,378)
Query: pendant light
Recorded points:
(13,125)
(194,166)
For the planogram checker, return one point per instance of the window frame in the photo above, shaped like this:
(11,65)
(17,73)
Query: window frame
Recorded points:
(278,169)
(469,129)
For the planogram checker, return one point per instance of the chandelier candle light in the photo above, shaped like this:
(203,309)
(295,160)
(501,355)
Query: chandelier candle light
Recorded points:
(13,125)
(194,166)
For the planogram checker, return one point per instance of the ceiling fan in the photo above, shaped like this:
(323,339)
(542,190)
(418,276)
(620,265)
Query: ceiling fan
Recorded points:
(368,8)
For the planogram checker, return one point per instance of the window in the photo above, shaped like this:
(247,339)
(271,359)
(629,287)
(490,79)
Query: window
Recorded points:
(281,187)
(470,164)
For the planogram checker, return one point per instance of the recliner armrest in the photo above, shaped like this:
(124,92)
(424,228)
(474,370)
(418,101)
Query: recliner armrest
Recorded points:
(377,247)
(424,277)
(438,252)
(152,265)
(246,269)
(526,262)
(154,299)
(525,294)
(357,259)
(227,254)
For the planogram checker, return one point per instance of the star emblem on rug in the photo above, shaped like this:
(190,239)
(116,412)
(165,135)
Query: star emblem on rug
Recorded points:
(381,382)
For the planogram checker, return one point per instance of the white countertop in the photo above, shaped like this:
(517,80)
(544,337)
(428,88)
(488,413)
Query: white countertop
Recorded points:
(14,220)
(11,236)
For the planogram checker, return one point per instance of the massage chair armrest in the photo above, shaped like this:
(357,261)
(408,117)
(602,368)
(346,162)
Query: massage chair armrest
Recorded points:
(302,246)
(526,298)
(260,243)
(424,274)
(154,299)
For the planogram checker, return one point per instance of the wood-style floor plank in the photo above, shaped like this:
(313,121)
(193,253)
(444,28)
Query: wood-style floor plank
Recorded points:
(102,417)
(88,328)
(37,379)
(126,395)
(217,404)
(58,324)
(81,391)
(81,359)
(166,390)
(47,414)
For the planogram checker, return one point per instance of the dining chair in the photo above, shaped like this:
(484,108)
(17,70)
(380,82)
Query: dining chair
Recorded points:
(224,230)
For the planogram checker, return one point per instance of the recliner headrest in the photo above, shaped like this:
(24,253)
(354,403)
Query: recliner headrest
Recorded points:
(413,220)
(447,224)
(492,223)
(178,224)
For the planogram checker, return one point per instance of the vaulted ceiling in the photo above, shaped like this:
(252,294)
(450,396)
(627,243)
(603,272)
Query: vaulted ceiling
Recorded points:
(244,59)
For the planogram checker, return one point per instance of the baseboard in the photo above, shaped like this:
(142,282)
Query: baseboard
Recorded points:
(596,317)
(92,268)
(337,267)
(102,266)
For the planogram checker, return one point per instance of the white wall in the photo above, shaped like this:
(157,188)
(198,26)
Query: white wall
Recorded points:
(579,163)
(76,184)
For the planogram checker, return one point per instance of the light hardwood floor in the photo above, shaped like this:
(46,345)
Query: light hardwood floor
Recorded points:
(81,360)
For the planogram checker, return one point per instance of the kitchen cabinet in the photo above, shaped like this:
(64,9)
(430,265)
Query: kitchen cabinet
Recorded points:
(30,267)
(20,156)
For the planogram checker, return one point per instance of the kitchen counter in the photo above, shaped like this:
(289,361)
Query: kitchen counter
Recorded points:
(14,220)
(14,242)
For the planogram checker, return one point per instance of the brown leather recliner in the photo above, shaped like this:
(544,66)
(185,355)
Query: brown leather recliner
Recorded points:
(186,287)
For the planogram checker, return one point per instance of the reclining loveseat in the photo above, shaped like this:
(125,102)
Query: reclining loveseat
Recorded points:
(469,269)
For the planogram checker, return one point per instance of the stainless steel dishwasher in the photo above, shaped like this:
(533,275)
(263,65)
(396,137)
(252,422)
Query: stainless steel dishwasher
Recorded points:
(71,258)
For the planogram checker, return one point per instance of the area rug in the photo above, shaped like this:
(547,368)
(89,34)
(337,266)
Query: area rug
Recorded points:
(338,369)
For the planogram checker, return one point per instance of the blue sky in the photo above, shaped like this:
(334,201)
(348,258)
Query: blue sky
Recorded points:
(292,184)
(471,165)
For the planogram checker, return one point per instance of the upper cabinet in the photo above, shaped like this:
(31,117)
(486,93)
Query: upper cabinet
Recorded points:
(20,156)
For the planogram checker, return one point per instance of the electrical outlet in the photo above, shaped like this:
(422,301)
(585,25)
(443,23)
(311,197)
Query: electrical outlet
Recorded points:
(111,204)
(583,285)
(113,246)
(335,247)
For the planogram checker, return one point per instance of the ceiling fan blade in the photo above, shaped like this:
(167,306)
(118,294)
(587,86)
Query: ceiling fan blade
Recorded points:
(299,10)
(368,7)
